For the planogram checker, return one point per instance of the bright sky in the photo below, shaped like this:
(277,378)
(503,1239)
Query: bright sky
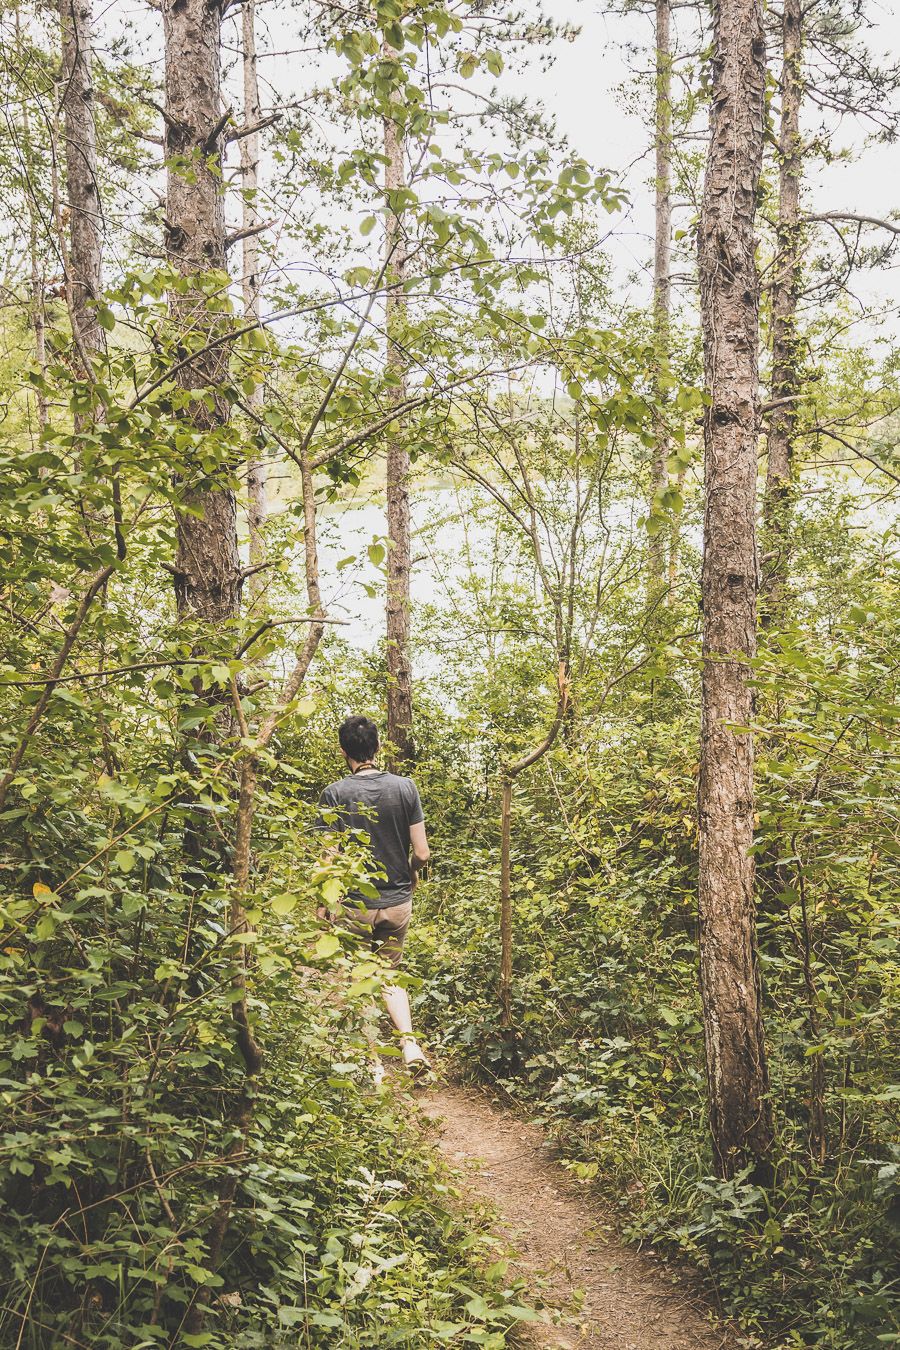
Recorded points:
(584,90)
(588,86)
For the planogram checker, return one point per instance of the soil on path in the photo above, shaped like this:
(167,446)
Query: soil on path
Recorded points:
(601,1294)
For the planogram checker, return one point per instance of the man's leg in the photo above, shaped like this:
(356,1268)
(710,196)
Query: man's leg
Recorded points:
(396,1000)
(389,931)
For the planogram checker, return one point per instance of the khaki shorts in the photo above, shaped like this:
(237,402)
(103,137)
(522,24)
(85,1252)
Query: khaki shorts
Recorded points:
(385,928)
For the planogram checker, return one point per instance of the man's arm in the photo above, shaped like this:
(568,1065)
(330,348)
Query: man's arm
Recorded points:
(417,838)
(419,843)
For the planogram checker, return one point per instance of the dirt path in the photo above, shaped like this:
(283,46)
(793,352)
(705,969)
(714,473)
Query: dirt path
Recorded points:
(603,1295)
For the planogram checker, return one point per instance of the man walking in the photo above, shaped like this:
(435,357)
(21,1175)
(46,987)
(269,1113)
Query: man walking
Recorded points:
(387,808)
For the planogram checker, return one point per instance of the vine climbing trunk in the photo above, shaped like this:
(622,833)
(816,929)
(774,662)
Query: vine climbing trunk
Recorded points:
(740,1111)
(83,266)
(399,683)
(785,382)
(257,502)
(661,268)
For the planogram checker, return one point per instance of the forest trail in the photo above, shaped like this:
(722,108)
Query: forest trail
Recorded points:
(608,1296)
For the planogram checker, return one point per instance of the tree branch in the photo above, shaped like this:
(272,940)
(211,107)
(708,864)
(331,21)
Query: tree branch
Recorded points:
(852,218)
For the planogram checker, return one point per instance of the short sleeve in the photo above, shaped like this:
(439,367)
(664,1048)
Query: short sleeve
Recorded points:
(326,803)
(414,804)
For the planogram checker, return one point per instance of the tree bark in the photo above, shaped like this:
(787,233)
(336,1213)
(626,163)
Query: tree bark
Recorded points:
(740,1112)
(240,881)
(818,1137)
(207,565)
(785,383)
(36,312)
(83,270)
(661,264)
(257,506)
(399,682)
(506,935)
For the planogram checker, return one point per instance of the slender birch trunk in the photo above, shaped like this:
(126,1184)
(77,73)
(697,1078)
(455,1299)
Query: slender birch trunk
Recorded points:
(257,505)
(740,1112)
(36,315)
(36,312)
(662,261)
(399,684)
(785,384)
(207,565)
(76,101)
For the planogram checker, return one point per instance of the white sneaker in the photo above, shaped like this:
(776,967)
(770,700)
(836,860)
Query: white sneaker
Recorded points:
(415,1059)
(377,1069)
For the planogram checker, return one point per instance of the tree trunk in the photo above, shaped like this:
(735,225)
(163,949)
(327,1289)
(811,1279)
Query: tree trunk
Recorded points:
(256,470)
(740,1112)
(818,1138)
(661,264)
(207,565)
(785,383)
(83,266)
(399,683)
(38,322)
(36,312)
(505,905)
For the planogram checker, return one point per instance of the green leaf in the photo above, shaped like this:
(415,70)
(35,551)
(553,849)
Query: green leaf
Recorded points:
(45,927)
(124,860)
(284,903)
(329,944)
(332,890)
(368,225)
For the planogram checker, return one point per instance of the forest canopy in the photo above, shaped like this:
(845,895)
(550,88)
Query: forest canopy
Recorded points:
(344,373)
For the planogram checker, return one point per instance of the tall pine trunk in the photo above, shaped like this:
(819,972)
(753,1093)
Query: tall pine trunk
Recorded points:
(399,684)
(207,569)
(661,262)
(257,504)
(740,1112)
(785,384)
(207,565)
(84,261)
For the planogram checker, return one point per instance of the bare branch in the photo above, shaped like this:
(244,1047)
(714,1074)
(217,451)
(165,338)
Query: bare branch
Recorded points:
(851,217)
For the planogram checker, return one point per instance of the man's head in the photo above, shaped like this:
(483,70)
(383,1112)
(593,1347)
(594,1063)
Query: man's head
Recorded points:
(359,739)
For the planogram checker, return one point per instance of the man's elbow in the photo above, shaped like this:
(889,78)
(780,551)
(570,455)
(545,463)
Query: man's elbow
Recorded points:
(420,854)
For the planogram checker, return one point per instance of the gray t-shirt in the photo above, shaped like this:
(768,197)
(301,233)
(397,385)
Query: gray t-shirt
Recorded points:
(383,805)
